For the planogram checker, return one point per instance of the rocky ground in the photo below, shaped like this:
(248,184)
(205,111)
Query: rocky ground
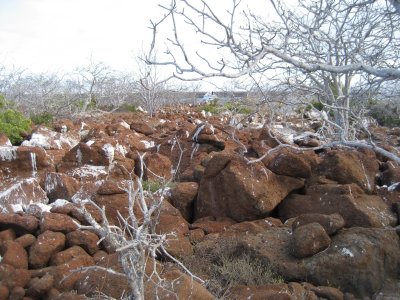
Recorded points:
(321,224)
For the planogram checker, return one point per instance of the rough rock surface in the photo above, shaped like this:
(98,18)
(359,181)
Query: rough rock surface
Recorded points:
(232,188)
(319,219)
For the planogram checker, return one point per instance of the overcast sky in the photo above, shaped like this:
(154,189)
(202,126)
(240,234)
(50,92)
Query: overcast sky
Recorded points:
(59,35)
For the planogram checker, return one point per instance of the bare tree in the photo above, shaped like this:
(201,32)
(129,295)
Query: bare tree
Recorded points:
(91,79)
(135,240)
(151,86)
(328,49)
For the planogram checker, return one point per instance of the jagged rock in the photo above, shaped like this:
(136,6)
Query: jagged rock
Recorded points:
(60,186)
(156,166)
(64,278)
(348,167)
(232,188)
(23,160)
(51,140)
(4,292)
(47,244)
(356,208)
(182,197)
(6,235)
(331,223)
(17,195)
(308,240)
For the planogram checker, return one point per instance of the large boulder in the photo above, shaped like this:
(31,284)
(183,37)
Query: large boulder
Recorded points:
(289,163)
(233,188)
(356,208)
(182,197)
(351,166)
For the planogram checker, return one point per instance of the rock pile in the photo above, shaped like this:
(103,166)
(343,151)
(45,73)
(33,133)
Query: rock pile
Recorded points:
(324,221)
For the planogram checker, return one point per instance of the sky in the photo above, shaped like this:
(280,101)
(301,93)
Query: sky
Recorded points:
(60,35)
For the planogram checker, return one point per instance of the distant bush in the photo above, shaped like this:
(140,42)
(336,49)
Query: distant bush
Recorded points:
(42,119)
(14,124)
(386,114)
(215,107)
(128,107)
(212,107)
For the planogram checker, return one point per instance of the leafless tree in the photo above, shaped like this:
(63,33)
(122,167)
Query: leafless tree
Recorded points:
(328,49)
(136,240)
(90,81)
(151,86)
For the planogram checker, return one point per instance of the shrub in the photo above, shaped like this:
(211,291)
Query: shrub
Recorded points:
(212,107)
(42,119)
(386,114)
(128,107)
(244,270)
(14,124)
(237,107)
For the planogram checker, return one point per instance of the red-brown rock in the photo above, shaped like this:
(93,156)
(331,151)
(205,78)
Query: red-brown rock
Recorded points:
(213,225)
(348,167)
(14,255)
(241,191)
(356,208)
(86,239)
(308,240)
(183,195)
(26,240)
(287,162)
(331,223)
(47,244)
(57,222)
(60,186)
(24,192)
(142,128)
(156,166)
(67,255)
(38,287)
(4,292)
(11,277)
(19,223)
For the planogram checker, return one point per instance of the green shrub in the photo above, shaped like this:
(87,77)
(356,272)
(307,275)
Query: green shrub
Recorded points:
(128,107)
(4,104)
(212,107)
(154,186)
(386,114)
(14,124)
(42,119)
(315,104)
(237,107)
